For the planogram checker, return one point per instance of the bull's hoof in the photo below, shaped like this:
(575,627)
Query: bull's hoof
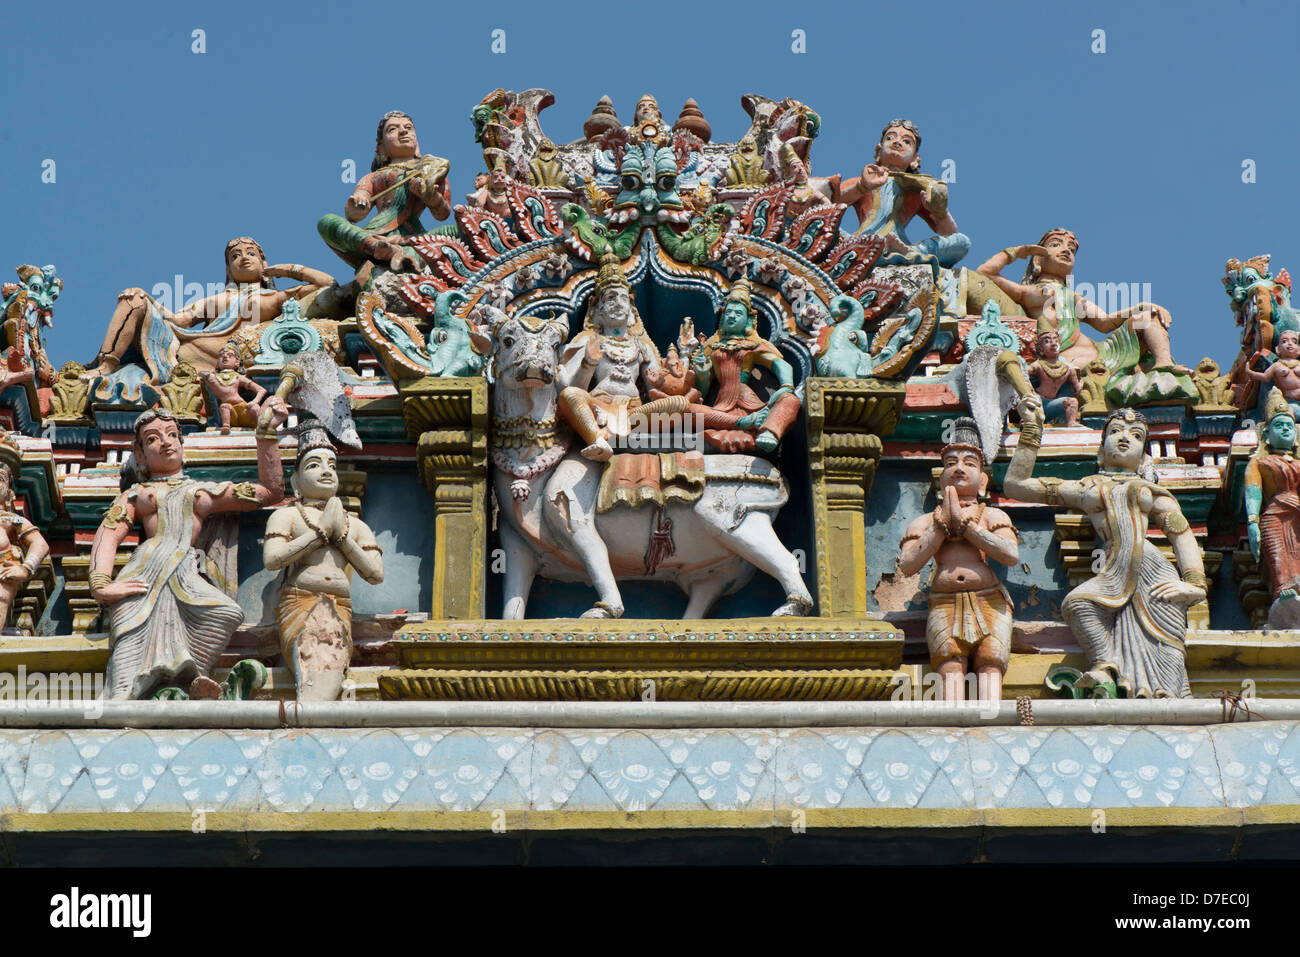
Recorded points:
(795,607)
(603,610)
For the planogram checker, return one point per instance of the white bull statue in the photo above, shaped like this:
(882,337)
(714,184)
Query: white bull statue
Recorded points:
(547,493)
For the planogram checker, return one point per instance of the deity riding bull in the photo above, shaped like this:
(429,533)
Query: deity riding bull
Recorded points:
(701,521)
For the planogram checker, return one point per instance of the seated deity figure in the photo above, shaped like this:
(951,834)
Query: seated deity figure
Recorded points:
(970,615)
(805,194)
(1045,294)
(892,191)
(1272,495)
(1285,372)
(1130,618)
(171,608)
(22,547)
(197,333)
(1055,380)
(315,542)
(228,383)
(737,420)
(601,365)
(493,194)
(401,184)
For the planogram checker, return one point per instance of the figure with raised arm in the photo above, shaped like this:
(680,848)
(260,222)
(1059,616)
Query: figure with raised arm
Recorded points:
(171,608)
(197,333)
(970,617)
(1045,293)
(1130,618)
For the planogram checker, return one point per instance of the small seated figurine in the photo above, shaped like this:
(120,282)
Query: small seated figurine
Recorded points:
(970,615)
(892,191)
(675,376)
(1055,380)
(22,547)
(738,420)
(315,541)
(226,383)
(746,169)
(493,190)
(545,170)
(1285,372)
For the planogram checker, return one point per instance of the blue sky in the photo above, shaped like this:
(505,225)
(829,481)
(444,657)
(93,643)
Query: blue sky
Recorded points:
(162,154)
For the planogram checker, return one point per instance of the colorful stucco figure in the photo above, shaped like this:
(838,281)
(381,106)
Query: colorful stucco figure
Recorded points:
(703,522)
(22,547)
(171,608)
(892,191)
(848,349)
(1272,498)
(1284,372)
(401,184)
(1261,306)
(451,350)
(145,331)
(1137,347)
(968,626)
(1130,618)
(315,543)
(1054,379)
(737,419)
(601,367)
(28,310)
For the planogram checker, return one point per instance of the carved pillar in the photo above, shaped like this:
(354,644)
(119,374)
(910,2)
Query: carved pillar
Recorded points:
(448,419)
(846,418)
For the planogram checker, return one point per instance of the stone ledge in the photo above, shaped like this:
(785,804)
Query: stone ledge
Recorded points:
(576,643)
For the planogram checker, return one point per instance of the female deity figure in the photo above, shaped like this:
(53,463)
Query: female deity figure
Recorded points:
(1131,617)
(1272,494)
(601,365)
(22,547)
(171,608)
(738,420)
(400,185)
(1044,293)
(314,541)
(197,333)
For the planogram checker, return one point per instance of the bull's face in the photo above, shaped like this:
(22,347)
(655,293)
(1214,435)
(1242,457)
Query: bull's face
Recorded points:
(526,351)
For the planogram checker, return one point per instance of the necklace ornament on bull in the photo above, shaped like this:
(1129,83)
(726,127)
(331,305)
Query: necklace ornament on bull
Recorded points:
(522,432)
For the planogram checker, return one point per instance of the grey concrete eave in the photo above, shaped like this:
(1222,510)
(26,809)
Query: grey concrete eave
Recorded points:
(639,714)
